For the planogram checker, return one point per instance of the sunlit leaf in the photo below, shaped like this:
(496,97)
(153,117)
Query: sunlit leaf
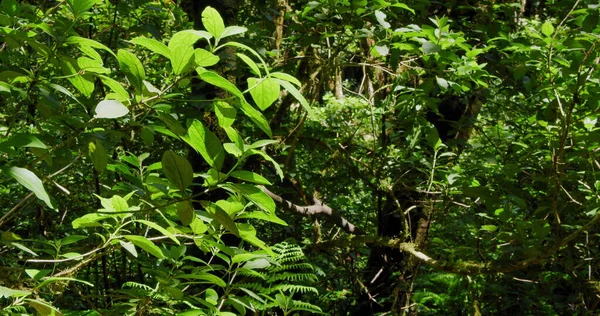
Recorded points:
(264,91)
(177,169)
(110,109)
(212,21)
(146,245)
(29,180)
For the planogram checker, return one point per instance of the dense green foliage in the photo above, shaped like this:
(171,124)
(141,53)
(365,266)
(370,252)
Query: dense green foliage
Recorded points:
(159,157)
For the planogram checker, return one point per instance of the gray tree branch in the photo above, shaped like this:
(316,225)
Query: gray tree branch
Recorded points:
(318,208)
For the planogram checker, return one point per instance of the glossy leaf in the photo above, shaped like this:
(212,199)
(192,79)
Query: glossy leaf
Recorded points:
(146,245)
(206,143)
(29,180)
(222,218)
(177,169)
(204,58)
(160,229)
(216,80)
(98,156)
(249,176)
(225,113)
(133,68)
(212,21)
(153,45)
(185,212)
(232,30)
(110,109)
(256,195)
(250,63)
(264,91)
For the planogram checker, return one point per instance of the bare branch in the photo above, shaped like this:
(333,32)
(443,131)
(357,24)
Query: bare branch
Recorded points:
(317,208)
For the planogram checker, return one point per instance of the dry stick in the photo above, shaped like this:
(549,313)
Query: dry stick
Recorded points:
(317,208)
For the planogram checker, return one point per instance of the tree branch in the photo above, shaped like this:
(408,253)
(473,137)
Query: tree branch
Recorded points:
(317,208)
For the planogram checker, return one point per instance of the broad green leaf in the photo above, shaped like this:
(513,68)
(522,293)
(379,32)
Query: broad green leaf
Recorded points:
(489,228)
(36,274)
(403,6)
(146,245)
(286,77)
(110,109)
(206,143)
(263,216)
(177,169)
(29,180)
(293,91)
(72,239)
(89,220)
(78,7)
(98,156)
(198,227)
(222,217)
(214,79)
(254,194)
(209,278)
(160,229)
(250,63)
(181,47)
(246,48)
(23,248)
(22,140)
(232,30)
(181,58)
(82,41)
(256,116)
(231,207)
(212,21)
(187,38)
(235,137)
(84,83)
(250,176)
(153,45)
(116,87)
(185,212)
(129,247)
(225,113)
(547,29)
(43,308)
(264,92)
(204,58)
(91,65)
(133,68)
(262,143)
(248,233)
(243,257)
(90,52)
(172,124)
(430,48)
(268,158)
(10,7)
(433,138)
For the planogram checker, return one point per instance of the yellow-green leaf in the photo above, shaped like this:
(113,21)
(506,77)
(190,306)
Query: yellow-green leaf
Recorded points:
(29,180)
(264,91)
(146,245)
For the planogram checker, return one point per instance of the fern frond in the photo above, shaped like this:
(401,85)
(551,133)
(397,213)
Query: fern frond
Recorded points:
(307,307)
(294,266)
(135,285)
(292,276)
(293,288)
(252,273)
